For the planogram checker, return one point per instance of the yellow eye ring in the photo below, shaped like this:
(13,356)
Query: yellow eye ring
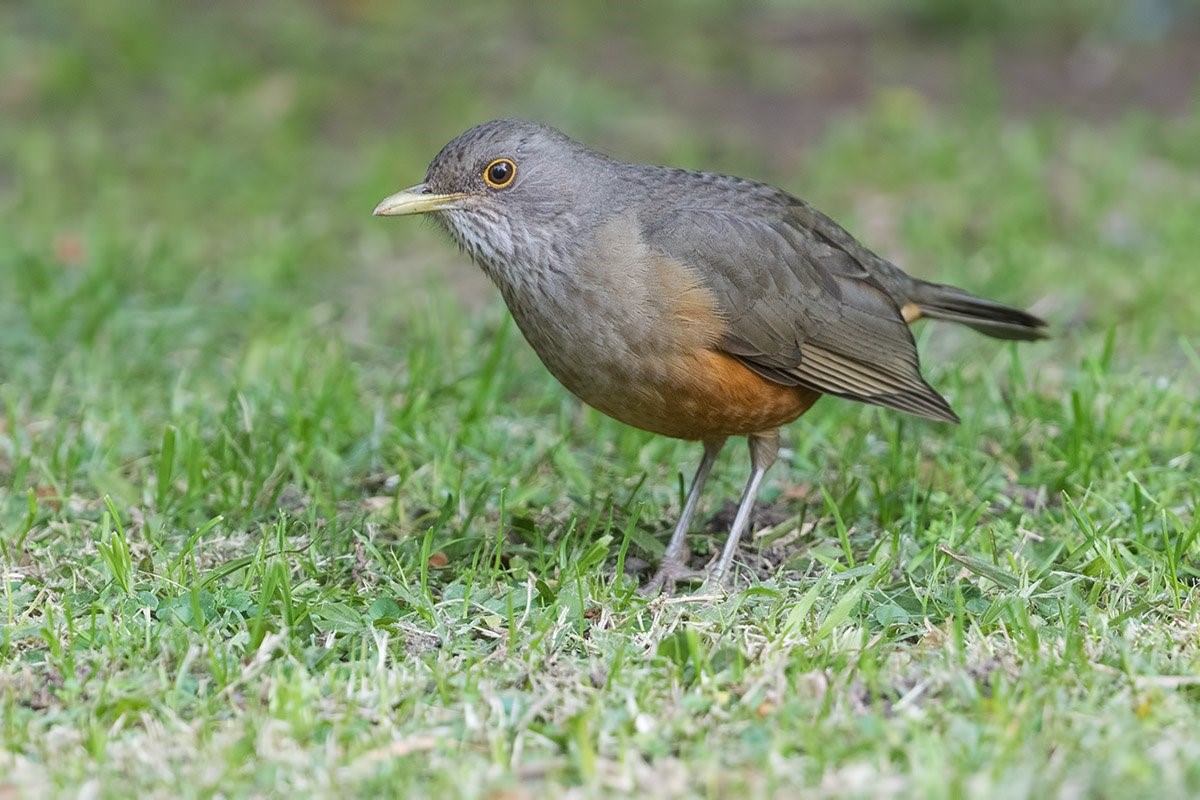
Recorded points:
(499,173)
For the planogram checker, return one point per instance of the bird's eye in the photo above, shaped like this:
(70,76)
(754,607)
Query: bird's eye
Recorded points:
(499,173)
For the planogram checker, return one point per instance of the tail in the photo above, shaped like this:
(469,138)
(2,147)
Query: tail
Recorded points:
(939,301)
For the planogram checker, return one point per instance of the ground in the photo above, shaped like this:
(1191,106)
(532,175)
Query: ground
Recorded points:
(287,507)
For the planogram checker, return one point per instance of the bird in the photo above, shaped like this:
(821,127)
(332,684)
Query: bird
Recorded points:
(690,304)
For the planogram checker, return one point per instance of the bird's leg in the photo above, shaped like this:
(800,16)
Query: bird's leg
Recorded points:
(674,565)
(764,449)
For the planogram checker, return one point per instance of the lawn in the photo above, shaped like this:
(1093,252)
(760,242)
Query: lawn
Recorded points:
(287,506)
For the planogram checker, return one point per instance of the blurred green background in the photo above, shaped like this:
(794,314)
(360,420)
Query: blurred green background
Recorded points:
(236,410)
(226,133)
(187,176)
(241,143)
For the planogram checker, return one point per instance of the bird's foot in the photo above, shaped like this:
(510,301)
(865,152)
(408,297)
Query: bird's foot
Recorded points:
(716,583)
(670,572)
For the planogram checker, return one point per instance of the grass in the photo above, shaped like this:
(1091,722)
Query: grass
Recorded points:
(287,508)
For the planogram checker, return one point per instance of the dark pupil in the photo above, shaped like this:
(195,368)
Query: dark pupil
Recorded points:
(500,171)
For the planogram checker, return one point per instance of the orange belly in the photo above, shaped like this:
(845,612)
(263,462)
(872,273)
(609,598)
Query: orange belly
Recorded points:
(642,344)
(706,396)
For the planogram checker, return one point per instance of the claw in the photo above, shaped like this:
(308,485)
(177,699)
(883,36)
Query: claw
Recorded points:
(669,573)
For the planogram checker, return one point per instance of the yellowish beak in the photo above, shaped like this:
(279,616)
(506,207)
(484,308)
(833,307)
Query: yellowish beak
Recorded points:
(416,200)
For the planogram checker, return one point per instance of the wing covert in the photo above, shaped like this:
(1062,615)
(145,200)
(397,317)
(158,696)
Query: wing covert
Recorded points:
(801,309)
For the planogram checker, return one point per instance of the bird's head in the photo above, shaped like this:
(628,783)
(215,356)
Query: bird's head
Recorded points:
(509,191)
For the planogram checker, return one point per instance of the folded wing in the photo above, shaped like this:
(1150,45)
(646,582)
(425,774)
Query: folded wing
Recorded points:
(801,308)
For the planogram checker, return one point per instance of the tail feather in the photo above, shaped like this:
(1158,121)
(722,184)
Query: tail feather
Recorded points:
(939,301)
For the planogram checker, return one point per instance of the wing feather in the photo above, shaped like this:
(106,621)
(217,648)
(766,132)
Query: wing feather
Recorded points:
(802,308)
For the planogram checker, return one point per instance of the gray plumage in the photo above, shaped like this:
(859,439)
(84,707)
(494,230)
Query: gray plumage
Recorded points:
(805,304)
